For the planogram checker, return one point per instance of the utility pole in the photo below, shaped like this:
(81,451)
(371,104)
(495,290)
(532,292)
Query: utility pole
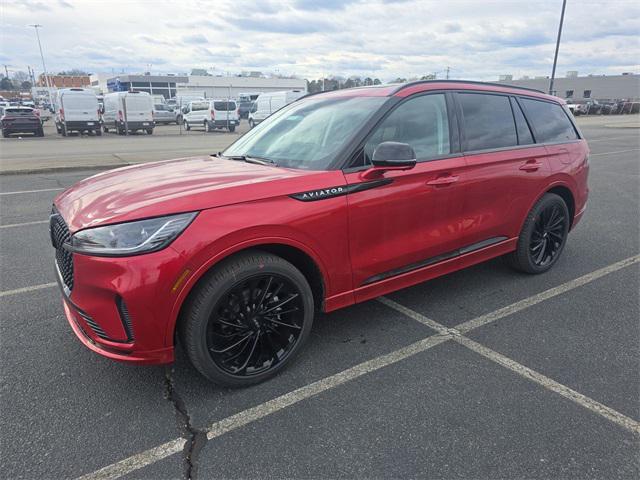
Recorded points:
(44,67)
(555,57)
(448,68)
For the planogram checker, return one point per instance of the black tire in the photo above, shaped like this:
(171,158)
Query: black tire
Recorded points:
(232,128)
(218,291)
(186,125)
(105,129)
(5,134)
(63,130)
(97,132)
(58,128)
(40,132)
(149,131)
(251,124)
(207,127)
(543,236)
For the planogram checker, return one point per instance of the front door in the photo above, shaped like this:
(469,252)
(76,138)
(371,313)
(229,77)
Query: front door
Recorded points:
(407,219)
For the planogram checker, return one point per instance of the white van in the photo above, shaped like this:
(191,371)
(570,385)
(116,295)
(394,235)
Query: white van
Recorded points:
(77,110)
(130,111)
(267,103)
(211,114)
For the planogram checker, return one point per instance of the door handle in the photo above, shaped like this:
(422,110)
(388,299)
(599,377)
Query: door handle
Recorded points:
(531,166)
(441,181)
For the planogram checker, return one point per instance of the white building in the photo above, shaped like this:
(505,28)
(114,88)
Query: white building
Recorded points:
(99,81)
(223,87)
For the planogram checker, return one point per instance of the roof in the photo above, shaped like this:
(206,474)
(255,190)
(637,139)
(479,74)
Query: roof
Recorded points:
(406,89)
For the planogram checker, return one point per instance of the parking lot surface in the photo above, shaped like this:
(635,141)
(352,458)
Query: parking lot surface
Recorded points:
(484,373)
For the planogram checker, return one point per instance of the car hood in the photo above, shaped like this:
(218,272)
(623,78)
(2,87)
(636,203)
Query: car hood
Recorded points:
(175,186)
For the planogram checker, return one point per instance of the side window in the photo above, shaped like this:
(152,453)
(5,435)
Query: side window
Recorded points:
(488,121)
(586,94)
(568,94)
(422,122)
(524,133)
(549,121)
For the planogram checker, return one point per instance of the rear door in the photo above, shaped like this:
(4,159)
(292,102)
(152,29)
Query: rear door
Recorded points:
(406,220)
(139,108)
(504,166)
(80,107)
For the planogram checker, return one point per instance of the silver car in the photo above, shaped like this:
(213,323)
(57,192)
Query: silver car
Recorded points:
(164,114)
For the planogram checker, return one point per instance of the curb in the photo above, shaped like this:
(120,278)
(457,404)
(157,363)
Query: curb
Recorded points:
(70,168)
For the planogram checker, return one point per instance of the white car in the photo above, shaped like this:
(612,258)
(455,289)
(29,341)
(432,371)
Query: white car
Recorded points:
(211,115)
(132,111)
(76,109)
(267,103)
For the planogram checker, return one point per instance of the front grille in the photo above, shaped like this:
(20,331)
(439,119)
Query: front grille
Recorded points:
(60,235)
(97,329)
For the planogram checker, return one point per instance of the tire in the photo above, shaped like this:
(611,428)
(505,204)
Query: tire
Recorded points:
(5,134)
(228,290)
(63,130)
(106,129)
(40,132)
(543,236)
(251,124)
(97,132)
(186,125)
(232,128)
(207,127)
(58,128)
(149,131)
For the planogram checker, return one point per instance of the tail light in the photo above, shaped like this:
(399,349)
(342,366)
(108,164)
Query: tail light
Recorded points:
(120,115)
(37,113)
(213,115)
(238,111)
(62,114)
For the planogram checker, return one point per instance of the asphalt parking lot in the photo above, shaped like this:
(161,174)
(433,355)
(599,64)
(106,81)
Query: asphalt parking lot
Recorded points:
(484,373)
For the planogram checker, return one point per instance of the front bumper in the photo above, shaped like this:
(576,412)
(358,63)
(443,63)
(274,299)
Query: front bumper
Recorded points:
(120,307)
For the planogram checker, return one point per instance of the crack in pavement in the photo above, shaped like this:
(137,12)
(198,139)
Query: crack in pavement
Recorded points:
(195,438)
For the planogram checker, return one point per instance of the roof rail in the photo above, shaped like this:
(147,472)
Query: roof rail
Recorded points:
(419,82)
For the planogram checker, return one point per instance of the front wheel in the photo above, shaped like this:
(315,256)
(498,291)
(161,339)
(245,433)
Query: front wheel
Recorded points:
(251,124)
(543,236)
(247,319)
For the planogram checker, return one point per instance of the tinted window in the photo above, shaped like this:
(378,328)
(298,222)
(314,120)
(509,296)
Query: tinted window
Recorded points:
(488,121)
(422,122)
(549,121)
(224,106)
(524,134)
(196,107)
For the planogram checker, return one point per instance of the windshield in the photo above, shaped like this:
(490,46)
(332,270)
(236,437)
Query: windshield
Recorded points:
(307,134)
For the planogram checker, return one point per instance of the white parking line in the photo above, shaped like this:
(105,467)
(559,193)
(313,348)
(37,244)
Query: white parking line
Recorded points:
(14,225)
(247,416)
(7,293)
(611,153)
(548,383)
(32,191)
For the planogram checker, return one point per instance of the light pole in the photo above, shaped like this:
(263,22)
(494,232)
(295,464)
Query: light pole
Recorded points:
(555,57)
(44,67)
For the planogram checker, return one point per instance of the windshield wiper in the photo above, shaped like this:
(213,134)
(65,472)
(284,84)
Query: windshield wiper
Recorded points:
(250,159)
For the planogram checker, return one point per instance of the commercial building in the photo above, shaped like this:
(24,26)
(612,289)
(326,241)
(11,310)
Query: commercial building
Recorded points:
(223,87)
(99,81)
(573,86)
(154,84)
(64,81)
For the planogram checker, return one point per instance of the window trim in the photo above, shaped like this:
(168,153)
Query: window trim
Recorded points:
(388,109)
(513,100)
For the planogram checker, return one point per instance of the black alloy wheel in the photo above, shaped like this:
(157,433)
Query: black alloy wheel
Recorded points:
(543,236)
(247,318)
(548,235)
(255,325)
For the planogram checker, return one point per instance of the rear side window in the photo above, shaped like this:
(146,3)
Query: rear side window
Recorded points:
(196,107)
(488,121)
(422,122)
(549,121)
(524,133)
(224,106)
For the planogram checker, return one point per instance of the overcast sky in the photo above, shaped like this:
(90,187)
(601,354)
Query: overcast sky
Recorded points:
(379,38)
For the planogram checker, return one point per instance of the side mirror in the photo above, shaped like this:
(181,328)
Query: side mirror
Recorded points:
(390,156)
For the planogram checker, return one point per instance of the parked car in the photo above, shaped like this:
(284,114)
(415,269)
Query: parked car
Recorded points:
(211,115)
(180,102)
(77,110)
(21,120)
(335,199)
(269,102)
(164,114)
(128,112)
(578,107)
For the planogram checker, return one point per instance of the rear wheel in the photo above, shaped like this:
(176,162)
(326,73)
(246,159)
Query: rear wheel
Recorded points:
(232,128)
(98,132)
(150,131)
(207,127)
(40,132)
(5,133)
(543,236)
(63,130)
(186,125)
(247,319)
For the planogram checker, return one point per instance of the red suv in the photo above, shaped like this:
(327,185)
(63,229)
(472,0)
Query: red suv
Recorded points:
(335,199)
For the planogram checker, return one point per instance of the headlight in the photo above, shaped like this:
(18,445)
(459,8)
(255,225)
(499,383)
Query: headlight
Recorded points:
(131,238)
